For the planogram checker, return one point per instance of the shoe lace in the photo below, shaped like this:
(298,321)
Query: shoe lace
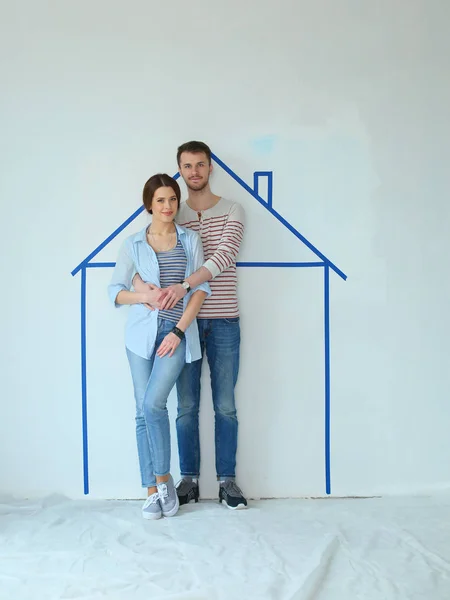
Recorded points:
(233,489)
(163,493)
(153,499)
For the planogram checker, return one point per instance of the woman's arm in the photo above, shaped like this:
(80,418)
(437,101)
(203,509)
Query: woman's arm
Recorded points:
(126,297)
(119,288)
(192,309)
(171,342)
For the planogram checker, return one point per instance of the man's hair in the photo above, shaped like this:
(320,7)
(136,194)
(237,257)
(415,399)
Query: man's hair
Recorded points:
(154,183)
(194,147)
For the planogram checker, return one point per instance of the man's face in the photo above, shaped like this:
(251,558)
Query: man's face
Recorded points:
(195,170)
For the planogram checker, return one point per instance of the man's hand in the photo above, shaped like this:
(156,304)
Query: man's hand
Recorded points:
(169,344)
(153,293)
(171,296)
(154,296)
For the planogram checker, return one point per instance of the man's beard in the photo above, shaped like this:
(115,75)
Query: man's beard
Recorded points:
(196,189)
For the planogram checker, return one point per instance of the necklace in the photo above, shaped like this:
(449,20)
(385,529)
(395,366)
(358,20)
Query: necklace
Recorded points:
(156,247)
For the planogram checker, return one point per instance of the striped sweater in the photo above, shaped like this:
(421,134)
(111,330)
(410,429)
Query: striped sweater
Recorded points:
(221,229)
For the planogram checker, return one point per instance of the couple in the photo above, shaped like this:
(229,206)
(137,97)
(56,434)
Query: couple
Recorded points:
(181,307)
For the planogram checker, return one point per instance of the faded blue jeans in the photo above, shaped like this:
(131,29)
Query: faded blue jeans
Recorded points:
(221,338)
(153,381)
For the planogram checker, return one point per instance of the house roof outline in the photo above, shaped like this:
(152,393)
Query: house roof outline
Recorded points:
(324,263)
(267,204)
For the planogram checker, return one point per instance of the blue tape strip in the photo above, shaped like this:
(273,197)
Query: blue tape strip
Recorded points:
(280,264)
(100,265)
(239,264)
(279,217)
(270,189)
(112,236)
(327,378)
(269,175)
(84,383)
(108,239)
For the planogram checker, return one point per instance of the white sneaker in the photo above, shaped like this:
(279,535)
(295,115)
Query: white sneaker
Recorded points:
(168,498)
(152,507)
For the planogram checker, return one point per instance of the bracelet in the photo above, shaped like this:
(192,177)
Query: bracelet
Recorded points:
(178,333)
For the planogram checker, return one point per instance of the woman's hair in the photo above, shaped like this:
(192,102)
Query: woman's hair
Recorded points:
(154,183)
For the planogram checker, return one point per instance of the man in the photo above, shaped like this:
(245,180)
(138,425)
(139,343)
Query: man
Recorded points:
(220,223)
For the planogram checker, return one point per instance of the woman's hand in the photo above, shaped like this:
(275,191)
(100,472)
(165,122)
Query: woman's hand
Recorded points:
(153,296)
(169,344)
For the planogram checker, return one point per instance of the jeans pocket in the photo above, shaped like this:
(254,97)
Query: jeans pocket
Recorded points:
(232,320)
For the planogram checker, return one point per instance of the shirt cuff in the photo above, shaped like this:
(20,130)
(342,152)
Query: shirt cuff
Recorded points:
(212,268)
(113,291)
(203,287)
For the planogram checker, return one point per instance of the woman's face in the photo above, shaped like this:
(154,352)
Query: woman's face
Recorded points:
(164,205)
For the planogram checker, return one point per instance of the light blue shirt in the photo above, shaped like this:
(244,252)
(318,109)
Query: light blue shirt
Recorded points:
(137,256)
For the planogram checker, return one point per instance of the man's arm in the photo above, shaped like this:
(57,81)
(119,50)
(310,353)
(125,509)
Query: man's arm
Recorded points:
(230,242)
(170,296)
(224,256)
(200,276)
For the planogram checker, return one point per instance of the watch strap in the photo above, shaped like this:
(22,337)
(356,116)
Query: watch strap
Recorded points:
(178,333)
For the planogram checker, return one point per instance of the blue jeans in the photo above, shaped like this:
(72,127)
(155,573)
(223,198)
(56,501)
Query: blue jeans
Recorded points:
(221,338)
(153,381)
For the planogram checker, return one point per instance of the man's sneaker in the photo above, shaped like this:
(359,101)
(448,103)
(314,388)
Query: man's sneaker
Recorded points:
(232,495)
(152,507)
(187,490)
(168,497)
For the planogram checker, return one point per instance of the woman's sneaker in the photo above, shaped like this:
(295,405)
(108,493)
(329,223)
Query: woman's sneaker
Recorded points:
(187,490)
(152,507)
(168,497)
(232,495)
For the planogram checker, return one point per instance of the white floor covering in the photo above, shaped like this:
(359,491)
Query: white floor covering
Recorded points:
(331,549)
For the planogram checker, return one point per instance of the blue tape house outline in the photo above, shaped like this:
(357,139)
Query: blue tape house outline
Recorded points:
(324,263)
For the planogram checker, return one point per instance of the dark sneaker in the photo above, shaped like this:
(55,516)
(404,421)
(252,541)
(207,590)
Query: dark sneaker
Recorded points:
(187,491)
(232,495)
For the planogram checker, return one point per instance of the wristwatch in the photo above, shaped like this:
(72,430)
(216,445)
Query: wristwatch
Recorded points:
(186,286)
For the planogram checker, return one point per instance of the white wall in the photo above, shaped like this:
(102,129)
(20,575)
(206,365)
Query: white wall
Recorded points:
(348,104)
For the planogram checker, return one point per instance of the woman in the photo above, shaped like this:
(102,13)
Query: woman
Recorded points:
(158,342)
